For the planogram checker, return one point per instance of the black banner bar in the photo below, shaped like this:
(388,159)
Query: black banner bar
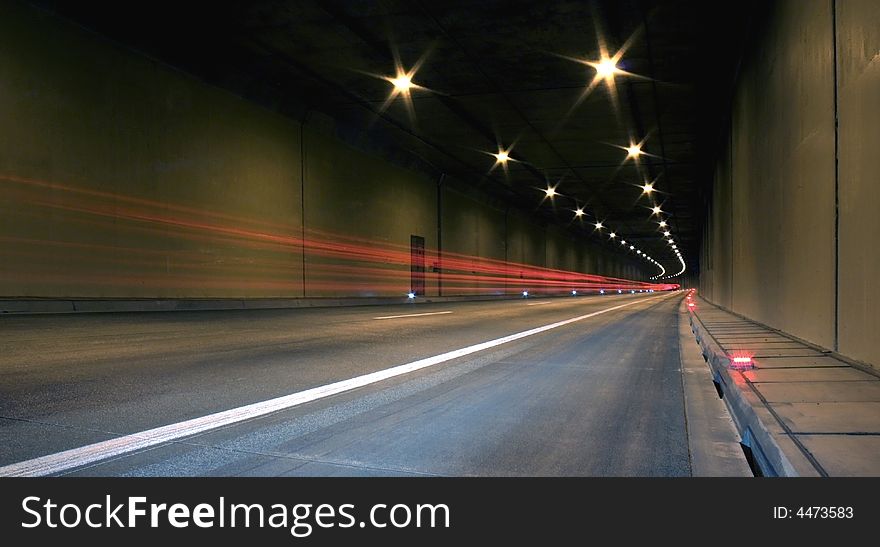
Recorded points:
(281,511)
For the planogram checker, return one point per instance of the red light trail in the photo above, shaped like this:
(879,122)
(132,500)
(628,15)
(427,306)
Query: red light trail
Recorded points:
(183,248)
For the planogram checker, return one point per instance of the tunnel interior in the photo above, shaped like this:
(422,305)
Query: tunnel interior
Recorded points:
(690,169)
(184,149)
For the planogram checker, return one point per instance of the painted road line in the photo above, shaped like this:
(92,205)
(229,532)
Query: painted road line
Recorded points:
(412,315)
(90,454)
(538,303)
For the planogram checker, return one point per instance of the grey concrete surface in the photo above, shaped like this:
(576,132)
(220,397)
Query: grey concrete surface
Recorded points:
(602,396)
(845,456)
(813,374)
(809,413)
(819,392)
(800,362)
(712,437)
(833,417)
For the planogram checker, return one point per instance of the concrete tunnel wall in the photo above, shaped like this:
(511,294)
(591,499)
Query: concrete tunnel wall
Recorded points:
(125,178)
(792,223)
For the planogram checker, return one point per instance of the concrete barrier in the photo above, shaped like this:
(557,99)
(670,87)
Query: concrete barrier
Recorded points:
(773,451)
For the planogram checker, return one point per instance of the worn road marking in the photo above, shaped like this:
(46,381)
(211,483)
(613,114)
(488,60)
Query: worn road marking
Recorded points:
(412,315)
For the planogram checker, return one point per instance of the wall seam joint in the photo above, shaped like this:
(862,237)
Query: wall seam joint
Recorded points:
(836,345)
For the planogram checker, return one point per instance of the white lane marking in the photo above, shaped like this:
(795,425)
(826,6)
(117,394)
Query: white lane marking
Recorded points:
(86,455)
(412,315)
(538,303)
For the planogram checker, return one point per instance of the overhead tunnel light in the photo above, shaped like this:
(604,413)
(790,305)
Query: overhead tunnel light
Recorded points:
(605,68)
(403,83)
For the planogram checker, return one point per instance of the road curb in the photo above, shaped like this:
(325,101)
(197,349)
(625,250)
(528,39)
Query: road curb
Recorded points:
(773,451)
(714,443)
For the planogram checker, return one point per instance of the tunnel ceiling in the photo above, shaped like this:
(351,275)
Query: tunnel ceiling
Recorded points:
(497,75)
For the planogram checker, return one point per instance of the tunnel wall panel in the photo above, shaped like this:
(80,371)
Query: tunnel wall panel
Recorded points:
(717,259)
(858,42)
(792,218)
(352,197)
(772,214)
(124,178)
(783,176)
(461,223)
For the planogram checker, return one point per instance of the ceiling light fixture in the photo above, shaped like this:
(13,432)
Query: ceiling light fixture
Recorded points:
(606,68)
(403,83)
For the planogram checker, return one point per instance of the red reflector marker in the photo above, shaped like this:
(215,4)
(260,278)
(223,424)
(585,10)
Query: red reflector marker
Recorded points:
(742,362)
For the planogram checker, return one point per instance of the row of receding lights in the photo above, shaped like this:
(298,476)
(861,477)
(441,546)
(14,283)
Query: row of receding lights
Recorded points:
(606,69)
(633,151)
(647,188)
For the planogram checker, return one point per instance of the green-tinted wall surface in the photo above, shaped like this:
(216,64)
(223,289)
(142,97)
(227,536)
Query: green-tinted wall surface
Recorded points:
(121,177)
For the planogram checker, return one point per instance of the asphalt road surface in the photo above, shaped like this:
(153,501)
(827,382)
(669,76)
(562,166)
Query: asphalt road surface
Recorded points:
(598,396)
